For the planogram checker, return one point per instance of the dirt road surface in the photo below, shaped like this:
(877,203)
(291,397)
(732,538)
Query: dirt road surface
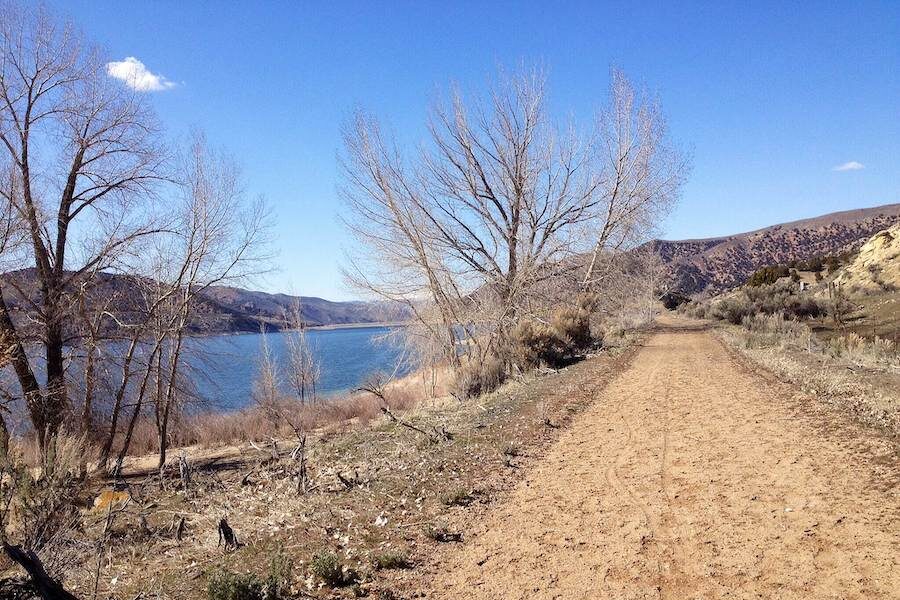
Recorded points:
(692,477)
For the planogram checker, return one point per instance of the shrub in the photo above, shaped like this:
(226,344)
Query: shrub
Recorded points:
(530,343)
(390,560)
(572,325)
(815,264)
(782,297)
(280,569)
(801,307)
(476,377)
(696,310)
(733,310)
(765,331)
(568,333)
(838,307)
(39,507)
(767,275)
(227,585)
(861,350)
(327,567)
(673,300)
(536,343)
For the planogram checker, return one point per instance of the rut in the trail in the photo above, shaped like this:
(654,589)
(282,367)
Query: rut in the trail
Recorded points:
(690,477)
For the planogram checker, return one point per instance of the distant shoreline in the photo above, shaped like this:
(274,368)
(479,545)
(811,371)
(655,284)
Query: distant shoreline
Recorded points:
(328,327)
(356,325)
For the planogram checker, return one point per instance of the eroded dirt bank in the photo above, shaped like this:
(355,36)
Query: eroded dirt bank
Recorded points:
(691,477)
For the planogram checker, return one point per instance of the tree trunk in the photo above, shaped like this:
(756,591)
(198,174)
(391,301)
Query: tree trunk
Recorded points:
(87,415)
(4,442)
(31,389)
(106,450)
(45,586)
(163,445)
(55,401)
(138,403)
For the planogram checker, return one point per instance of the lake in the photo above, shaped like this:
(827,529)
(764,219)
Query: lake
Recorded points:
(346,356)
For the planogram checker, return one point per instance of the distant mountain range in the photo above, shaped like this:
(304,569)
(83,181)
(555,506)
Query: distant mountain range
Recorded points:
(220,309)
(239,306)
(696,267)
(712,265)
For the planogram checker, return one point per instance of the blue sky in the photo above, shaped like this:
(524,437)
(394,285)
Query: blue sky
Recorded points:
(769,97)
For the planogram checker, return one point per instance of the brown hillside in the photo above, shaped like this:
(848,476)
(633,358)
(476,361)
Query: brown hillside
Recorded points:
(716,264)
(219,309)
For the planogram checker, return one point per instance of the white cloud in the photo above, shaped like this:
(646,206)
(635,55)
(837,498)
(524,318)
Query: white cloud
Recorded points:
(137,76)
(850,166)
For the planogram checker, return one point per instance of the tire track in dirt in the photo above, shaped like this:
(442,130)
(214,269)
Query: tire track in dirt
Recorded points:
(668,520)
(688,478)
(612,476)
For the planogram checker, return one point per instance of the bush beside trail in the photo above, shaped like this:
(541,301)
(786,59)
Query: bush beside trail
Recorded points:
(553,342)
(782,297)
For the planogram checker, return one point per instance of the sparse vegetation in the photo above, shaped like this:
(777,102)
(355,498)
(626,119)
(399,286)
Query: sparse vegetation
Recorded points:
(518,251)
(390,560)
(227,585)
(398,483)
(458,497)
(782,297)
(876,351)
(511,449)
(790,349)
(775,328)
(327,567)
(223,584)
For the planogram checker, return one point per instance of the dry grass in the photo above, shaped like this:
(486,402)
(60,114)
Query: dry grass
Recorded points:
(860,377)
(871,352)
(214,429)
(375,492)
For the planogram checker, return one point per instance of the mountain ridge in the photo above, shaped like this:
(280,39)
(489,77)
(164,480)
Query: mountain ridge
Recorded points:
(698,266)
(219,309)
(711,265)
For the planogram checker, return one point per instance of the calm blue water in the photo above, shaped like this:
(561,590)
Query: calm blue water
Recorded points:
(346,357)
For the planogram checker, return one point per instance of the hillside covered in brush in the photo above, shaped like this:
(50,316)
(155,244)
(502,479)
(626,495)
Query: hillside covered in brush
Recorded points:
(712,265)
(272,308)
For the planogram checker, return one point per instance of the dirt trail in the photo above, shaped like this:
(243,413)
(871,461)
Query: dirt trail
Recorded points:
(691,477)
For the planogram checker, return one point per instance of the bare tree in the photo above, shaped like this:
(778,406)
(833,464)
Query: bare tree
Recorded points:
(143,344)
(490,222)
(215,236)
(78,149)
(267,383)
(839,306)
(268,397)
(305,370)
(652,283)
(218,236)
(640,173)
